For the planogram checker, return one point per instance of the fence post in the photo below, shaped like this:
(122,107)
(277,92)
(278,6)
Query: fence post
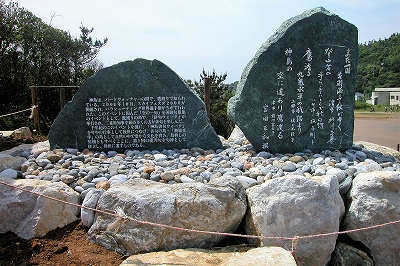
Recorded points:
(207,96)
(62,98)
(35,109)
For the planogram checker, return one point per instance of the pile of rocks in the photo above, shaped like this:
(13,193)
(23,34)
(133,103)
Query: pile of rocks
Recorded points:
(203,189)
(86,170)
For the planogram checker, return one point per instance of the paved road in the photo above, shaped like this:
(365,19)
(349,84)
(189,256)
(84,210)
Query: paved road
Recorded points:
(379,130)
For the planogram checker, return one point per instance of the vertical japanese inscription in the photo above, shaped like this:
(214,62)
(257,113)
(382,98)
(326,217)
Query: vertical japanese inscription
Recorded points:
(134,122)
(301,72)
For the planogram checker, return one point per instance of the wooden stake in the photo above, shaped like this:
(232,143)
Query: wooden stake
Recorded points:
(207,96)
(62,98)
(35,109)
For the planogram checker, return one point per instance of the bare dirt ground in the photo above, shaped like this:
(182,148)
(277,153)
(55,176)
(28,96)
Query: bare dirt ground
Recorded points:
(65,246)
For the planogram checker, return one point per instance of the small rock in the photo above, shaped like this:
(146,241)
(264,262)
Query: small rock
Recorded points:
(361,156)
(246,181)
(54,157)
(42,162)
(99,179)
(186,179)
(386,164)
(296,159)
(149,170)
(268,176)
(111,154)
(155,177)
(9,173)
(160,157)
(339,173)
(237,165)
(319,171)
(118,179)
(103,184)
(88,185)
(197,150)
(35,172)
(167,176)
(342,166)
(92,174)
(318,161)
(289,167)
(90,201)
(306,168)
(264,154)
(67,179)
(79,189)
(72,151)
(248,165)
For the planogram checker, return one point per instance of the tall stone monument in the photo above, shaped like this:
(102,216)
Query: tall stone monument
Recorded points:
(137,105)
(298,90)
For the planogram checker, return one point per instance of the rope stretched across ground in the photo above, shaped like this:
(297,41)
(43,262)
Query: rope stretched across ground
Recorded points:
(122,217)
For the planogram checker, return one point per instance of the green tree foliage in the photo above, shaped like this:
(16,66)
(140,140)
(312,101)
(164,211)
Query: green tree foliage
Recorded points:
(379,65)
(34,53)
(219,96)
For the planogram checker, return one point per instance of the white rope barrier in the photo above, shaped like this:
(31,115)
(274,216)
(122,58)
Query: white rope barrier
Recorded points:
(29,109)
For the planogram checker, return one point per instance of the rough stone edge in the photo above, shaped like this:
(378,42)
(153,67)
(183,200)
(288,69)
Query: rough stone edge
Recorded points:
(216,256)
(32,148)
(273,39)
(379,148)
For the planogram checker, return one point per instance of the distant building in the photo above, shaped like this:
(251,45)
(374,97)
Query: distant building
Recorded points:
(358,96)
(385,96)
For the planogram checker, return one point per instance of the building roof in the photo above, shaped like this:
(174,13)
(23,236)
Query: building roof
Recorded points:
(388,89)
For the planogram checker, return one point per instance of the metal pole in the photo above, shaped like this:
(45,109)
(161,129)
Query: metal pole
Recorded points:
(207,96)
(35,110)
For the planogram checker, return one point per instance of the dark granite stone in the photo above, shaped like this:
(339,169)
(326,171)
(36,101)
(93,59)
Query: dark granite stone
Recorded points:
(298,90)
(136,105)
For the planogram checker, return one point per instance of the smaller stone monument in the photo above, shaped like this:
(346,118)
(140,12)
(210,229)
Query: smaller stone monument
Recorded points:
(134,105)
(298,90)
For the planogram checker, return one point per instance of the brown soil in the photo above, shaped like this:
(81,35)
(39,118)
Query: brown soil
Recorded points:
(65,246)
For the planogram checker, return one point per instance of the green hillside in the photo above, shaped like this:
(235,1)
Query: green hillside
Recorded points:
(379,64)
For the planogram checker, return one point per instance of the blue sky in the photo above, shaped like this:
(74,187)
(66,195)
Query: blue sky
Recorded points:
(191,35)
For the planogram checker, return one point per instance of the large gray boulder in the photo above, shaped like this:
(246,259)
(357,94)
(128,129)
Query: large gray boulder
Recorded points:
(375,200)
(136,105)
(218,206)
(296,206)
(227,256)
(28,215)
(297,92)
(11,162)
(346,255)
